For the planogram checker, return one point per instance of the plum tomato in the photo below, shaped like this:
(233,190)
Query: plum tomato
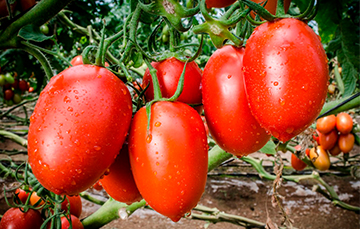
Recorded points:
(335,150)
(271,6)
(227,113)
(326,124)
(8,94)
(23,85)
(79,125)
(168,74)
(15,218)
(285,97)
(297,163)
(329,140)
(320,158)
(344,123)
(75,204)
(119,183)
(22,194)
(346,142)
(75,222)
(169,161)
(218,3)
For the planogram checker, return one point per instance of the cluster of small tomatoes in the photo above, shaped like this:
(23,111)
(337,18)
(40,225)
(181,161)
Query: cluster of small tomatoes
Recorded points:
(333,136)
(16,218)
(13,88)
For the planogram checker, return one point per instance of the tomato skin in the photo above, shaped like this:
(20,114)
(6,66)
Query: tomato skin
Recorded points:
(170,163)
(344,123)
(8,94)
(227,113)
(68,151)
(346,142)
(22,194)
(98,186)
(14,218)
(320,158)
(271,6)
(75,221)
(326,124)
(297,163)
(168,74)
(335,150)
(218,3)
(285,98)
(26,4)
(77,60)
(328,141)
(23,85)
(75,205)
(120,183)
(34,198)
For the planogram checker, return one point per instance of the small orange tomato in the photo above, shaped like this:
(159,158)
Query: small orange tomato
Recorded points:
(346,142)
(326,124)
(335,150)
(320,158)
(344,123)
(297,163)
(328,141)
(34,198)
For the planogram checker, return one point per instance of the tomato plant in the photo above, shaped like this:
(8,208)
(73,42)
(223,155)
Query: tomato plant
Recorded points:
(284,98)
(297,163)
(346,142)
(227,113)
(344,123)
(168,74)
(119,183)
(14,218)
(78,127)
(326,124)
(320,158)
(329,140)
(169,161)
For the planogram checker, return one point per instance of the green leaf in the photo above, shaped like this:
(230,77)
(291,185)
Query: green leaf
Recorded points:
(269,148)
(137,58)
(327,19)
(349,55)
(33,33)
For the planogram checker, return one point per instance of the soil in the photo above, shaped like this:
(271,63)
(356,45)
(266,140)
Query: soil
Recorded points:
(235,188)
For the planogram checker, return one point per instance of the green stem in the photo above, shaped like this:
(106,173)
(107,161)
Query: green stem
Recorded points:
(18,105)
(338,79)
(14,137)
(216,157)
(340,105)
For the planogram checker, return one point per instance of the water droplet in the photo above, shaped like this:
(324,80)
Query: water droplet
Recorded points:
(97,148)
(182,192)
(275,134)
(67,99)
(157,124)
(123,214)
(276,83)
(157,163)
(282,101)
(78,171)
(178,172)
(124,91)
(76,92)
(70,109)
(137,159)
(77,142)
(229,76)
(289,130)
(155,173)
(170,176)
(73,182)
(310,102)
(149,138)
(76,114)
(99,76)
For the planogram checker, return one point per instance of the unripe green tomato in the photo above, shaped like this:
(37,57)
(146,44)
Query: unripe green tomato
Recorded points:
(9,102)
(17,98)
(44,29)
(189,3)
(2,80)
(166,30)
(165,38)
(9,78)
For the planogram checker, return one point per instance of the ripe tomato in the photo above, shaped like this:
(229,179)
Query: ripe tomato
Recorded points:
(297,163)
(326,124)
(75,222)
(346,142)
(98,186)
(23,85)
(14,218)
(328,141)
(34,198)
(169,162)
(22,195)
(8,94)
(75,204)
(285,98)
(335,150)
(218,3)
(78,127)
(344,123)
(3,8)
(119,183)
(77,60)
(271,6)
(26,4)
(168,74)
(227,113)
(320,158)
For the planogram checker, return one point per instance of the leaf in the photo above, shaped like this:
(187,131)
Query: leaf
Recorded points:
(269,148)
(33,33)
(349,55)
(328,19)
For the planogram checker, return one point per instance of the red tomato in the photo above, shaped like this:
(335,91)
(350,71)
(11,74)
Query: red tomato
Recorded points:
(75,222)
(3,8)
(119,183)
(218,3)
(168,74)
(227,113)
(22,194)
(285,97)
(169,162)
(23,85)
(344,123)
(320,158)
(326,124)
(335,150)
(297,163)
(14,218)
(77,60)
(75,204)
(26,4)
(78,127)
(8,94)
(271,6)
(346,142)
(328,141)
(97,186)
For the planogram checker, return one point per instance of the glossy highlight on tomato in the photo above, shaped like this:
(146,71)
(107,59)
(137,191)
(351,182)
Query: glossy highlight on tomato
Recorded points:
(78,127)
(346,142)
(344,123)
(227,113)
(169,161)
(120,183)
(286,76)
(326,124)
(168,74)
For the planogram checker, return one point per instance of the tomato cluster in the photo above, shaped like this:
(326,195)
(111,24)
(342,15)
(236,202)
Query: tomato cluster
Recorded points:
(13,88)
(334,133)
